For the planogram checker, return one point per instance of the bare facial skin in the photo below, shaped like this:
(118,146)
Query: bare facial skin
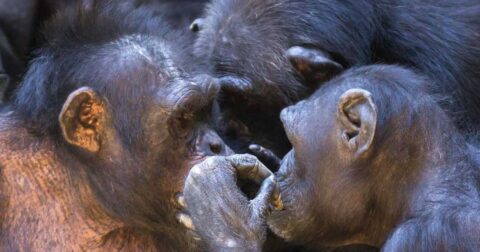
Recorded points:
(102,134)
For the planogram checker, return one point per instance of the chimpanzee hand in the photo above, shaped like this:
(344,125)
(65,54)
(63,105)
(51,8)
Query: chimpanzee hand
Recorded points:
(221,214)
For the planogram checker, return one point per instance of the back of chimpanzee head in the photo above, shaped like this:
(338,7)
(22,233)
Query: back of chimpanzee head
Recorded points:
(251,45)
(359,140)
(405,109)
(249,39)
(119,49)
(111,86)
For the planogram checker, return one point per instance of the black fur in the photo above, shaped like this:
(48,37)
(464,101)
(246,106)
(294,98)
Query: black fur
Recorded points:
(21,21)
(83,48)
(248,39)
(158,115)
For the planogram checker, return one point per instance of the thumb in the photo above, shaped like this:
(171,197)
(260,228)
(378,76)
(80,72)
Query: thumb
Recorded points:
(261,203)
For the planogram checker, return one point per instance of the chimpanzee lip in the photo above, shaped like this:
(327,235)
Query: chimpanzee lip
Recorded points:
(197,158)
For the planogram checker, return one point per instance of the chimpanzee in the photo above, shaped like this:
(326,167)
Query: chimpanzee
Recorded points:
(21,21)
(179,13)
(375,161)
(103,131)
(250,44)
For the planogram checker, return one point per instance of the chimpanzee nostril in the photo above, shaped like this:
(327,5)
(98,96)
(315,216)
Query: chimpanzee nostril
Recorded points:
(197,25)
(216,147)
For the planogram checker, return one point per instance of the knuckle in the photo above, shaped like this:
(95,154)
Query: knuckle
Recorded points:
(251,157)
(212,161)
(195,174)
(247,157)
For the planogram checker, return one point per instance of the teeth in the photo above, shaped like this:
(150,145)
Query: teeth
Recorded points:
(181,200)
(276,200)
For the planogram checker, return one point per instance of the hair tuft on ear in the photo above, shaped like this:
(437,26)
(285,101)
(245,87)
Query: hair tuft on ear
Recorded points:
(357,114)
(83,119)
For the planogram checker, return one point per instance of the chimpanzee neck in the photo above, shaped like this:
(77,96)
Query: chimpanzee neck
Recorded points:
(452,163)
(48,208)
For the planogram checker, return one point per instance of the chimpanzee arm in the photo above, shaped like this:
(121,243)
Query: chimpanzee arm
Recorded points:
(437,232)
(221,214)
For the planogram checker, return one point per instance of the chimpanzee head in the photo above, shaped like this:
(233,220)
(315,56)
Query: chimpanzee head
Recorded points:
(110,88)
(251,46)
(358,143)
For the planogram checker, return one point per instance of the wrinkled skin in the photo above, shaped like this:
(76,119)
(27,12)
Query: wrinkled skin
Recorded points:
(103,132)
(343,183)
(227,219)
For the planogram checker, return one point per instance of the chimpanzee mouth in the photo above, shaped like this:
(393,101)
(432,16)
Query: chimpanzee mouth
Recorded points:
(286,168)
(197,158)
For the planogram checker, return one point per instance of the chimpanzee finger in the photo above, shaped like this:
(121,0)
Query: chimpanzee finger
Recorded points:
(275,198)
(267,195)
(266,156)
(249,167)
(234,85)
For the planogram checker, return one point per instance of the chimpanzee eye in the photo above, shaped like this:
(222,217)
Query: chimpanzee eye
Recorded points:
(180,124)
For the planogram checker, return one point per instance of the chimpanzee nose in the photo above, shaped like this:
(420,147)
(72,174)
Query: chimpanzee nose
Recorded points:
(216,147)
(210,144)
(197,25)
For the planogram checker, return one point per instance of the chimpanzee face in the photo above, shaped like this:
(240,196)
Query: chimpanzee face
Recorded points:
(320,186)
(141,130)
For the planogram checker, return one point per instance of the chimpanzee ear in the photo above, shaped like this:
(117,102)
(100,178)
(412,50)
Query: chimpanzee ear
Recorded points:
(357,115)
(313,65)
(83,119)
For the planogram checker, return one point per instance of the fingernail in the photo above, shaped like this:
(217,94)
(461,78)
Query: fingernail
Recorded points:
(254,147)
(276,199)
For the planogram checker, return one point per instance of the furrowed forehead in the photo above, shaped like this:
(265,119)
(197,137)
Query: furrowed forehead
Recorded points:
(147,51)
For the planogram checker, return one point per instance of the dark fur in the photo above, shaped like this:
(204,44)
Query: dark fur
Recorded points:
(62,66)
(16,29)
(417,188)
(21,21)
(179,13)
(131,58)
(248,39)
